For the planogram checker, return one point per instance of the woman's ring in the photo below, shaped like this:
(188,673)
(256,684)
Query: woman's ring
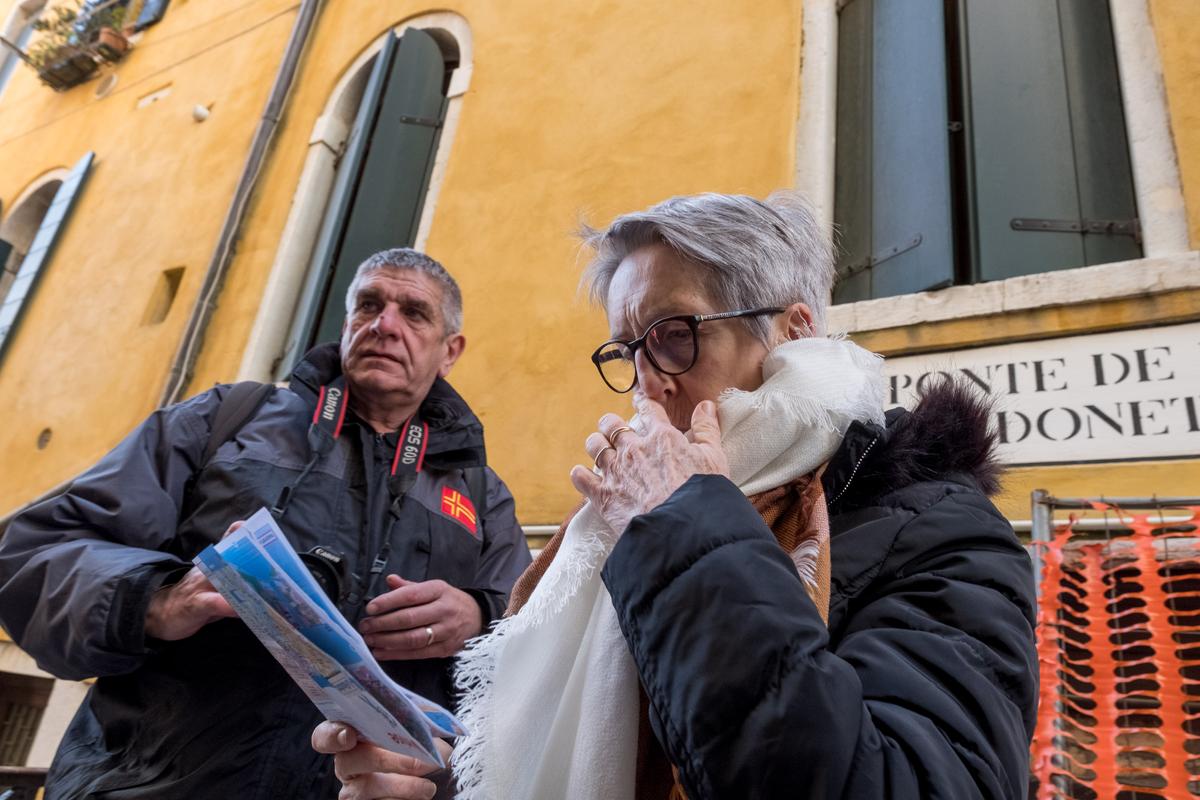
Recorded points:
(429,636)
(603,450)
(612,437)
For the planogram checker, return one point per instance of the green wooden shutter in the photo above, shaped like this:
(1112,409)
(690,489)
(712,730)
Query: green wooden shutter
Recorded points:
(892,201)
(852,200)
(1102,165)
(1047,137)
(41,249)
(313,295)
(386,206)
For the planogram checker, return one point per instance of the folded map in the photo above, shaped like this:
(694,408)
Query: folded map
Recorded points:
(256,569)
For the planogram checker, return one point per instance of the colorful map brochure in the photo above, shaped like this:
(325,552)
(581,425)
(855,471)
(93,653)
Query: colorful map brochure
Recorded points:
(256,569)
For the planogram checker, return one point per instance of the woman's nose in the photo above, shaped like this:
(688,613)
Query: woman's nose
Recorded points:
(655,385)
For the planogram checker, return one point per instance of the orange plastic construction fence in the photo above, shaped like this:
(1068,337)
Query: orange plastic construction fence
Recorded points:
(1119,652)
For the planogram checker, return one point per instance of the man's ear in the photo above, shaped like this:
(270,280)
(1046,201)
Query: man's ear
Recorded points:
(798,319)
(455,344)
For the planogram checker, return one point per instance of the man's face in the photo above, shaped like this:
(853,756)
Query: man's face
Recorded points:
(394,343)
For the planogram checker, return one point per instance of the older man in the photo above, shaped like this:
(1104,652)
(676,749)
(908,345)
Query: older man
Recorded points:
(373,466)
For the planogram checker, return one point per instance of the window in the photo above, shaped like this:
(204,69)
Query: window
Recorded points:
(32,229)
(22,702)
(149,12)
(382,176)
(977,141)
(19,31)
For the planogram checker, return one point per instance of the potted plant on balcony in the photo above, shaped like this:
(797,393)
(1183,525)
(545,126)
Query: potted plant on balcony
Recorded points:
(110,41)
(61,60)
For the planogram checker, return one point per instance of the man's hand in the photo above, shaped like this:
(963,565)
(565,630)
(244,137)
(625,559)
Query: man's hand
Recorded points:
(368,772)
(641,469)
(430,619)
(179,610)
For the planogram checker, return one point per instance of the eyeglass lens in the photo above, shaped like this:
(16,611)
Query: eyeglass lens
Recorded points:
(671,345)
(616,366)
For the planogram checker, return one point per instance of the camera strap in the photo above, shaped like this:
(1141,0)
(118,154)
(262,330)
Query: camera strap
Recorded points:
(328,418)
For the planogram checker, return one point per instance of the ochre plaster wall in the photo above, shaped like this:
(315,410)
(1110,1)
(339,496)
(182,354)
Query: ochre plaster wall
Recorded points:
(569,115)
(82,362)
(1177,29)
(590,113)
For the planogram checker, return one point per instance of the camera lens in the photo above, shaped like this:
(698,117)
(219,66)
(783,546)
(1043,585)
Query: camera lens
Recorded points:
(327,568)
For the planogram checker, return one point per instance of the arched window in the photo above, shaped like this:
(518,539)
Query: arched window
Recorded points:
(31,231)
(19,30)
(375,163)
(384,172)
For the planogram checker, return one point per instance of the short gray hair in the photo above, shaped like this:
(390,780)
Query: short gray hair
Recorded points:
(405,258)
(752,253)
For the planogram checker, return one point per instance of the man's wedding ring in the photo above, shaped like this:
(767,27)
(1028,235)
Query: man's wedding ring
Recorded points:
(428,636)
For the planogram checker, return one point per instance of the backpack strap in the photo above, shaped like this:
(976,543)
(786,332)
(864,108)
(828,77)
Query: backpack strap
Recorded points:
(476,478)
(237,407)
(240,403)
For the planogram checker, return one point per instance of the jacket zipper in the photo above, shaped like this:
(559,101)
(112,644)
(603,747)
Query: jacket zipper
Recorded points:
(854,471)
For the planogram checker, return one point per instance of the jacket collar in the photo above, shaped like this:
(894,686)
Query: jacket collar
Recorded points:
(838,478)
(947,436)
(455,433)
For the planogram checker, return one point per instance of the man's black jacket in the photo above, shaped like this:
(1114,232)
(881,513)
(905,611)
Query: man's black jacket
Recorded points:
(924,683)
(214,715)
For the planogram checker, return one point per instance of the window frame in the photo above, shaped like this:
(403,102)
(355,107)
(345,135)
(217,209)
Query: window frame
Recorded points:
(1166,263)
(19,24)
(272,326)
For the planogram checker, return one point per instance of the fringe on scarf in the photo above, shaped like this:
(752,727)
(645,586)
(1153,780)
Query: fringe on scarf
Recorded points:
(475,671)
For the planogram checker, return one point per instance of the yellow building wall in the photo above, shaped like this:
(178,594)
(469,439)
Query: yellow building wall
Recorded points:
(588,112)
(82,363)
(569,113)
(1177,29)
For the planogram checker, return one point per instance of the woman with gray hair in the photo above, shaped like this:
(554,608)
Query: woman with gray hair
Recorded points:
(772,589)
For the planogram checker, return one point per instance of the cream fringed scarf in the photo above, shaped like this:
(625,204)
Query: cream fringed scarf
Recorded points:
(551,694)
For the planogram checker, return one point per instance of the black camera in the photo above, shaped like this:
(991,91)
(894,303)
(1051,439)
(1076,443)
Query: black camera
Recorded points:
(328,568)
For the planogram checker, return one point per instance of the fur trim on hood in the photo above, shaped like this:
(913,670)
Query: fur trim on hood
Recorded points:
(947,436)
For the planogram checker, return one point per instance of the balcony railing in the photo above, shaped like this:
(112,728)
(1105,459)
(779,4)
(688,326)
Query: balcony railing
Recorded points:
(74,43)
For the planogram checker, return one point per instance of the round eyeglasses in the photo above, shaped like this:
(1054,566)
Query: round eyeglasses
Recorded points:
(671,345)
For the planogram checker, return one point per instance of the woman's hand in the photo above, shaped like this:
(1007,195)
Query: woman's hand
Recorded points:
(641,469)
(368,772)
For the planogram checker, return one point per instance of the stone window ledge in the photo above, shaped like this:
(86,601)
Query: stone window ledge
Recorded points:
(1144,276)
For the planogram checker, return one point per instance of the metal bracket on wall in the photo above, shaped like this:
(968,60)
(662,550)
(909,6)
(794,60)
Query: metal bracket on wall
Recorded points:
(880,257)
(426,121)
(1112,227)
